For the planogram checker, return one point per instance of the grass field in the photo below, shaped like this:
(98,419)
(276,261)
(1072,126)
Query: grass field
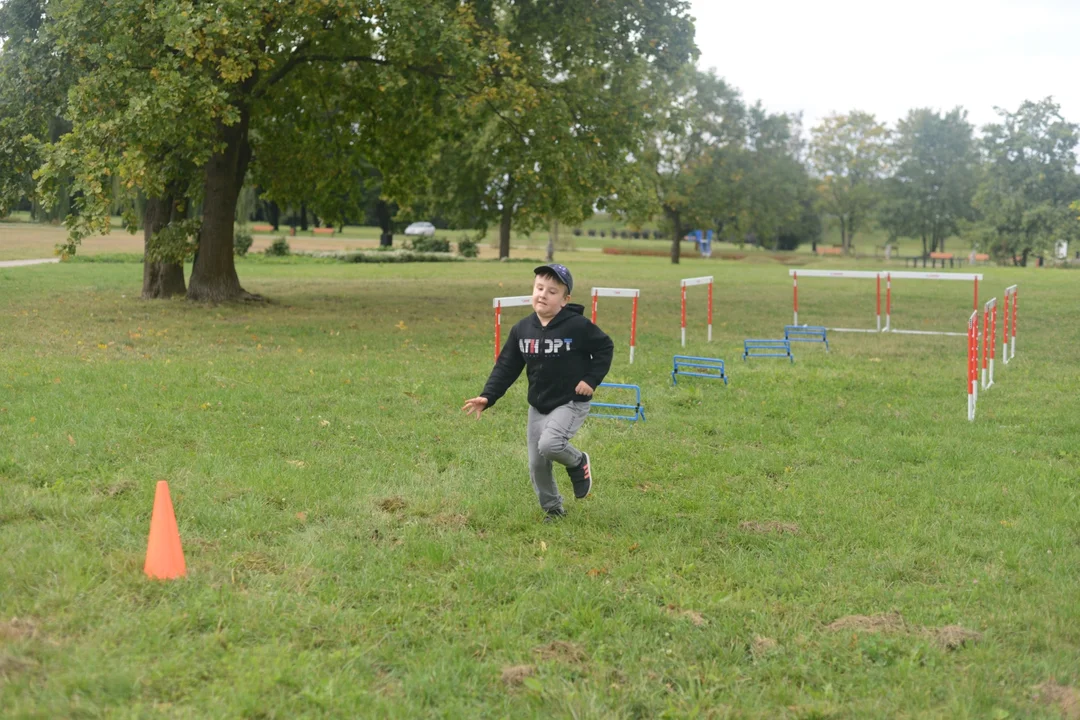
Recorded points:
(357,548)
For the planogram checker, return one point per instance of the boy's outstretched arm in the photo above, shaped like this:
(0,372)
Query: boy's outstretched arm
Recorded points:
(507,369)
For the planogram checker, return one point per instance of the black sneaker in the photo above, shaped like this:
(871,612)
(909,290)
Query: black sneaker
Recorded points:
(581,476)
(554,515)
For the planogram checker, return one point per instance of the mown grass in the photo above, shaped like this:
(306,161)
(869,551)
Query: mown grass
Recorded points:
(357,548)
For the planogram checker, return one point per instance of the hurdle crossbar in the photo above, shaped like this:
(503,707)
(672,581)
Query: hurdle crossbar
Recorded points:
(888,275)
(638,411)
(690,282)
(499,303)
(633,293)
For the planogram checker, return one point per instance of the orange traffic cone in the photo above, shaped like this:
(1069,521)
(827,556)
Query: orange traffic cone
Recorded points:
(164,556)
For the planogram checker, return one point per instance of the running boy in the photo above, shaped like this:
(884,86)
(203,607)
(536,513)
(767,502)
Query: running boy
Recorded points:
(567,357)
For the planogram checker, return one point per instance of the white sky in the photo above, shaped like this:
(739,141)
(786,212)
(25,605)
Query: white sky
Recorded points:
(823,56)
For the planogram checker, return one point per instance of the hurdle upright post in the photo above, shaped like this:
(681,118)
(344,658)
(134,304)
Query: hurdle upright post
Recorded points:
(1016,300)
(989,340)
(972,359)
(683,328)
(795,289)
(710,311)
(498,327)
(879,302)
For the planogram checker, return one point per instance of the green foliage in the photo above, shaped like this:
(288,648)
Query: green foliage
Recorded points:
(931,190)
(242,240)
(851,156)
(467,247)
(1029,181)
(278,248)
(175,243)
(421,243)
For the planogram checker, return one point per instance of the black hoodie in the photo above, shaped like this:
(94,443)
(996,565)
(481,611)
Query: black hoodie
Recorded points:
(570,349)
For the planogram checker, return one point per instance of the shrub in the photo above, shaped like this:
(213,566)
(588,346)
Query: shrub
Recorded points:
(429,244)
(278,248)
(577,232)
(592,233)
(467,248)
(241,241)
(603,233)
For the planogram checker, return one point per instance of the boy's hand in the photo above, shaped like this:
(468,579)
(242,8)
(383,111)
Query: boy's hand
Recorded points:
(583,389)
(475,405)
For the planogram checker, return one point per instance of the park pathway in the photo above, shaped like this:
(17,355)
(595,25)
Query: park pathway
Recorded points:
(20,263)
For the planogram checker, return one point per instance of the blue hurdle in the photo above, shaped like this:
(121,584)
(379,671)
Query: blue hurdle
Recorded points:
(637,408)
(749,346)
(703,366)
(806,333)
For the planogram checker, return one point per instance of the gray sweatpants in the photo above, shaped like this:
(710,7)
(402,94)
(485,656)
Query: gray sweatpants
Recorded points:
(549,441)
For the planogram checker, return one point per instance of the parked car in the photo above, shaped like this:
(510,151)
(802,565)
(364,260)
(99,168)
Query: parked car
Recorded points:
(420,228)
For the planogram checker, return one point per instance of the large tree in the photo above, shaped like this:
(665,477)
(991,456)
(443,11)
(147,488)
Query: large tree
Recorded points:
(555,141)
(1029,183)
(693,118)
(936,167)
(850,154)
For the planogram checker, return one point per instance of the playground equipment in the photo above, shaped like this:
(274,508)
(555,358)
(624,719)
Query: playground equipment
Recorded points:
(691,282)
(638,411)
(499,303)
(806,333)
(889,277)
(989,340)
(700,367)
(620,293)
(1012,294)
(767,348)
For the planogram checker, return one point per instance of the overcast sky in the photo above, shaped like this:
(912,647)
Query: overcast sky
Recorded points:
(886,58)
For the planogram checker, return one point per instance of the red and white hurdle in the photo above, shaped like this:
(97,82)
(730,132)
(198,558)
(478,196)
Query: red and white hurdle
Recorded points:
(620,293)
(989,341)
(499,303)
(973,363)
(877,277)
(691,282)
(1011,296)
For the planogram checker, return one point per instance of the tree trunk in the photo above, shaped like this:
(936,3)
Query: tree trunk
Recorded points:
(676,242)
(924,253)
(504,228)
(160,279)
(274,213)
(845,242)
(213,277)
(303,215)
(553,238)
(382,212)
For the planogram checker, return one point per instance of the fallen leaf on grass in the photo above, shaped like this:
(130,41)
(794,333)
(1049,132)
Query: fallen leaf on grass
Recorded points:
(301,516)
(297,463)
(71,440)
(401,325)
(594,572)
(634,548)
(1067,699)
(543,546)
(324,423)
(516,674)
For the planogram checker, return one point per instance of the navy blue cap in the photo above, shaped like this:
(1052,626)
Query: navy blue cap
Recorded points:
(561,271)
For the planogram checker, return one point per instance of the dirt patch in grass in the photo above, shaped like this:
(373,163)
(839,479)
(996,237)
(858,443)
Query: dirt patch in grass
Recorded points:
(953,637)
(11,666)
(887,622)
(514,675)
(1066,699)
(450,520)
(762,646)
(561,651)
(17,629)
(770,527)
(392,504)
(691,615)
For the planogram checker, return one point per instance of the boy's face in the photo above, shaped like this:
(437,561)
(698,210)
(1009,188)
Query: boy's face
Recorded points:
(548,297)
